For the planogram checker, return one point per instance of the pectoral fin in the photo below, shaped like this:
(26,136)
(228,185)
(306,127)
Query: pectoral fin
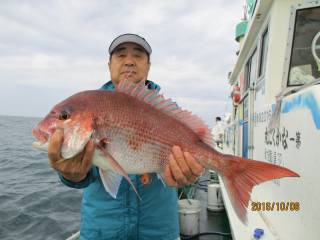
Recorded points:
(117,167)
(111,181)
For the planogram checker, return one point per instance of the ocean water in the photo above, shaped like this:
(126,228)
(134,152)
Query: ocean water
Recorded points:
(34,204)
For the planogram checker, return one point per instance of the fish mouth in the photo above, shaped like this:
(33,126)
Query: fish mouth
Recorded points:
(40,135)
(41,145)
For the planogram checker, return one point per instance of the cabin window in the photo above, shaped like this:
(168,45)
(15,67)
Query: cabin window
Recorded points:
(245,109)
(251,69)
(305,52)
(245,128)
(263,53)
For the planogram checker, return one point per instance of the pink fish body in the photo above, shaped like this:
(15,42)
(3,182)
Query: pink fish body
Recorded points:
(135,129)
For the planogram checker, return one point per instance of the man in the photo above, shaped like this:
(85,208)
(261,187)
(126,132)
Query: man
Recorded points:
(126,217)
(217,132)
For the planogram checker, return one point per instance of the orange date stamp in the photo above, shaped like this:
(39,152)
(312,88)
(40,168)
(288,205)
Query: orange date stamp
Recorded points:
(275,206)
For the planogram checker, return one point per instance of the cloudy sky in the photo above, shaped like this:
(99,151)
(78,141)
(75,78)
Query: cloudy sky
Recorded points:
(52,49)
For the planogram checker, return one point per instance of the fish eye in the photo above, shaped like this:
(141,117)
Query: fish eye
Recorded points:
(64,115)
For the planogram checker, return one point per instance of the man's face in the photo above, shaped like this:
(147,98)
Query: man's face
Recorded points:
(129,61)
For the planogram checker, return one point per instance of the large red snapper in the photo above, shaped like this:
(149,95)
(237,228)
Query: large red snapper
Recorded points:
(135,129)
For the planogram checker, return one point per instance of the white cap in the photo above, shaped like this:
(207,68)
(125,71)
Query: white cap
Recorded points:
(129,37)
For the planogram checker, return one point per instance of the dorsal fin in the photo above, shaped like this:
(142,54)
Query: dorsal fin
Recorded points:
(153,98)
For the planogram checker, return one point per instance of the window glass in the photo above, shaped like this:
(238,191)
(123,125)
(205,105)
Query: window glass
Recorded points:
(263,54)
(305,65)
(254,65)
(247,75)
(251,69)
(245,109)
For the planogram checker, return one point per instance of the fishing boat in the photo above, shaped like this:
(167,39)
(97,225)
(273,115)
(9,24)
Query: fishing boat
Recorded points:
(275,117)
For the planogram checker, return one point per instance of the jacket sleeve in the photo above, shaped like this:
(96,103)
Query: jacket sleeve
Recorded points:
(92,175)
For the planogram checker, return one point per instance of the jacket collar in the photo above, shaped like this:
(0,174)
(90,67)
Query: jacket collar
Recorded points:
(110,87)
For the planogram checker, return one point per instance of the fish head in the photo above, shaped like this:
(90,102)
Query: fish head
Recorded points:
(76,121)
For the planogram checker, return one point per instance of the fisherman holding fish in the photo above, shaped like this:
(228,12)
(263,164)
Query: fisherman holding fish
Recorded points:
(128,130)
(155,216)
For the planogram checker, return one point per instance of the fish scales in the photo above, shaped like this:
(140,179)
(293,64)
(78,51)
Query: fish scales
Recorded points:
(147,134)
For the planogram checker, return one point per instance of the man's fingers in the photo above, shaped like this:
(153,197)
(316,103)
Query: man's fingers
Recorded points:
(55,144)
(176,172)
(168,177)
(195,167)
(180,159)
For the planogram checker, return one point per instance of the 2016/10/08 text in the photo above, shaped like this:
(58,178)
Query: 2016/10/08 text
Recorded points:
(275,206)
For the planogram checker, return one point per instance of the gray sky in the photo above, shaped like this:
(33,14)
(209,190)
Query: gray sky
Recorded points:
(52,49)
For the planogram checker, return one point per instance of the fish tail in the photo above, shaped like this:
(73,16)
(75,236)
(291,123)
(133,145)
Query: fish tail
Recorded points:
(240,175)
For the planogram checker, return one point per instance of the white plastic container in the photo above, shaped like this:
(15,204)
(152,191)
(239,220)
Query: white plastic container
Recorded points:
(189,216)
(215,200)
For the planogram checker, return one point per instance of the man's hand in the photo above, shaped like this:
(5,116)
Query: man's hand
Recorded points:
(74,169)
(182,169)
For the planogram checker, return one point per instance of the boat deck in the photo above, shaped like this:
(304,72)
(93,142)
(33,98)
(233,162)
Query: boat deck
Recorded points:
(211,221)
